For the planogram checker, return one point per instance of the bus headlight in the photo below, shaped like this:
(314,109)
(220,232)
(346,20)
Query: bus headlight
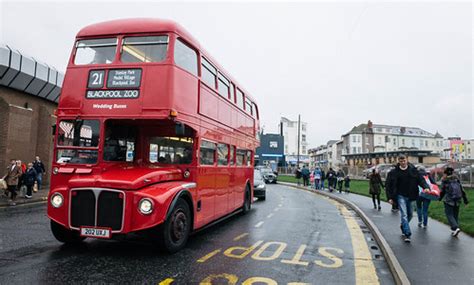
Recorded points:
(145,206)
(57,200)
(55,170)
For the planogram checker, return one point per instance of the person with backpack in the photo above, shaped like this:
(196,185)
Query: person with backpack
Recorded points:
(422,203)
(323,178)
(317,178)
(406,180)
(305,175)
(452,192)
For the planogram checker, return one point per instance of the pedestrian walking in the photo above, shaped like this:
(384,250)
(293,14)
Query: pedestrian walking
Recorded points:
(22,166)
(30,177)
(340,179)
(347,184)
(40,170)
(452,192)
(298,175)
(317,178)
(323,178)
(405,189)
(305,175)
(389,188)
(422,203)
(331,176)
(375,185)
(12,176)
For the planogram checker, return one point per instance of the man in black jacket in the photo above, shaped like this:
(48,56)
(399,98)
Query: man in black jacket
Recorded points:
(406,179)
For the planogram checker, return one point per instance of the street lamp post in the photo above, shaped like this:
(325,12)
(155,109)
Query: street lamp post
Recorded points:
(298,153)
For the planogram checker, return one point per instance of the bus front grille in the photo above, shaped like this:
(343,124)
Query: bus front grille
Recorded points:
(82,208)
(110,210)
(97,208)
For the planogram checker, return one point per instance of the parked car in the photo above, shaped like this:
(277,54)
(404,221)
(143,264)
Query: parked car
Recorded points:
(259,187)
(268,175)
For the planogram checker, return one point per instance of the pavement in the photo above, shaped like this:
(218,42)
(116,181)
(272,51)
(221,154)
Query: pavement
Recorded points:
(38,197)
(433,256)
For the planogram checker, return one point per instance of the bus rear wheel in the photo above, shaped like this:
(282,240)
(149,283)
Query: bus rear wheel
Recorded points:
(176,229)
(247,203)
(65,235)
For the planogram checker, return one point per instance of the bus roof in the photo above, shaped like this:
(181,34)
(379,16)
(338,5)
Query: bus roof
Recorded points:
(151,25)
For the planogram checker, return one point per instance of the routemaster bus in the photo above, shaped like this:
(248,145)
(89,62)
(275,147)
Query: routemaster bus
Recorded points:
(152,136)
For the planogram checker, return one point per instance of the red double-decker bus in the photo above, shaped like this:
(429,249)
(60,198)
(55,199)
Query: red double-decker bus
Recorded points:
(152,136)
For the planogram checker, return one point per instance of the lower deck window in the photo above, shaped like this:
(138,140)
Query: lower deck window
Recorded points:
(76,156)
(207,153)
(171,150)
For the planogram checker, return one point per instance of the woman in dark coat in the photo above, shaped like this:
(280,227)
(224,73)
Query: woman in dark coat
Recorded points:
(29,179)
(375,185)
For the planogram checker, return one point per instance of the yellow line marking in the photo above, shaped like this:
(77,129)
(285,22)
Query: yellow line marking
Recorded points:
(208,256)
(253,280)
(167,281)
(231,278)
(241,236)
(364,267)
(259,224)
(269,216)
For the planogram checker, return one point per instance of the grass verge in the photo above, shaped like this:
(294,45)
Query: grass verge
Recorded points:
(436,210)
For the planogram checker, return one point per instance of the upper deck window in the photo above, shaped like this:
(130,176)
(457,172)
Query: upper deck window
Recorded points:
(185,57)
(144,49)
(223,85)
(208,73)
(96,51)
(240,99)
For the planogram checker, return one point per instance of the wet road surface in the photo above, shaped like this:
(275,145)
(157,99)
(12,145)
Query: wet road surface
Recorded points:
(294,237)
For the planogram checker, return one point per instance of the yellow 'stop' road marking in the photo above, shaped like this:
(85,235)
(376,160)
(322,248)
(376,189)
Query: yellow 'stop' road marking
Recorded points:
(364,266)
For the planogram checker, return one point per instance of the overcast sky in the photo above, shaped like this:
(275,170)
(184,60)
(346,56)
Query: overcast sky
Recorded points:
(338,64)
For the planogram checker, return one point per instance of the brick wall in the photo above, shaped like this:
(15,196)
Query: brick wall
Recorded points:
(25,128)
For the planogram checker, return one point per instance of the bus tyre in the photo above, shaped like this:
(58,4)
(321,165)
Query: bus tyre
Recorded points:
(176,229)
(247,203)
(65,235)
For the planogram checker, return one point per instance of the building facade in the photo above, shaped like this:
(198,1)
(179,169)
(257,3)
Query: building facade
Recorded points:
(270,151)
(29,92)
(289,130)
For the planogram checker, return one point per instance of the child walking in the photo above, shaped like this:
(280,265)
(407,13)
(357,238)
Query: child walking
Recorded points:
(452,192)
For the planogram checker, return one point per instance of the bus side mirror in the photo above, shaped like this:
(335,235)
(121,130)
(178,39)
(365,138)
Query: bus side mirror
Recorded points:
(180,129)
(53,129)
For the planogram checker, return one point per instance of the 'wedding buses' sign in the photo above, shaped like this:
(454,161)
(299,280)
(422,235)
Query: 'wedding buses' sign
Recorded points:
(124,78)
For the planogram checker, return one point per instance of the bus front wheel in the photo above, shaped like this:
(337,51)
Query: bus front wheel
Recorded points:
(176,229)
(65,235)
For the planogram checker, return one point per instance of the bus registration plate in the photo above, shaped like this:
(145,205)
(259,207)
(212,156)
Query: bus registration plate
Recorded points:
(95,232)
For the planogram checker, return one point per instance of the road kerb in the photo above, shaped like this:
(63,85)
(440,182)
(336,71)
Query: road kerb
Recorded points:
(396,269)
